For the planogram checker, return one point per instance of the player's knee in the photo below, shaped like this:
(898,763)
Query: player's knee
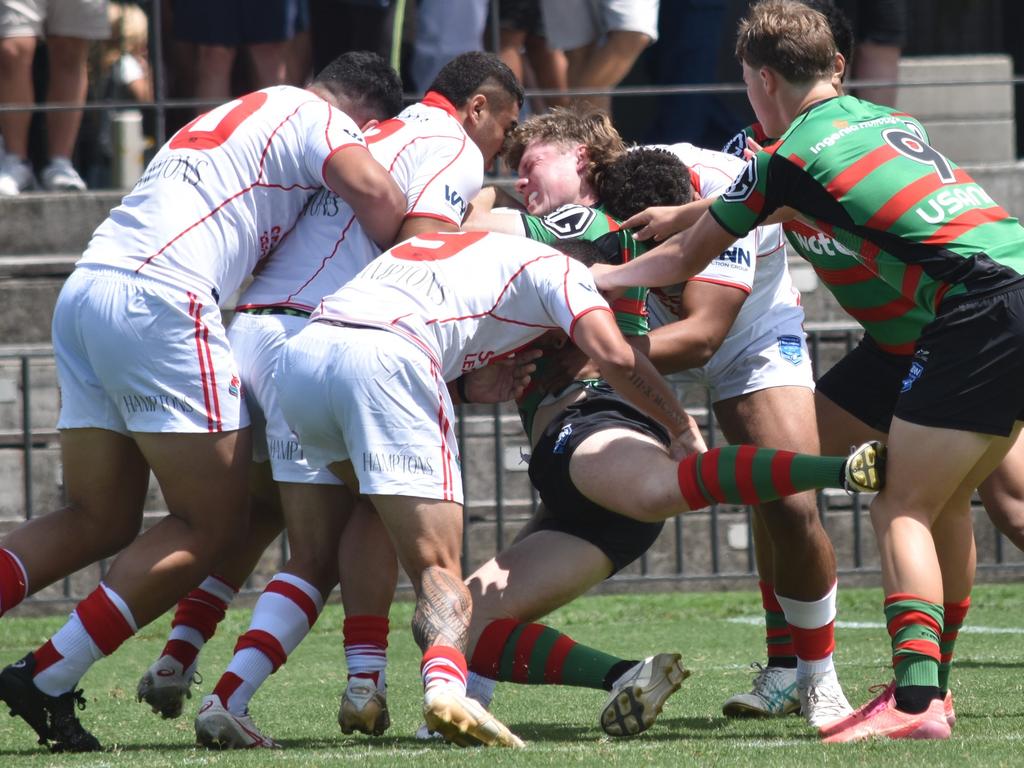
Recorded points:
(791,518)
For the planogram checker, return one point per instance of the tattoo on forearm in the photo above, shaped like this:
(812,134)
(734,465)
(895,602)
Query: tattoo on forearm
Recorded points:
(667,407)
(443,611)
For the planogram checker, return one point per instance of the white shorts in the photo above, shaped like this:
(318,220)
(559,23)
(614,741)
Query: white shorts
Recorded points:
(372,397)
(137,355)
(571,24)
(257,341)
(773,355)
(84,19)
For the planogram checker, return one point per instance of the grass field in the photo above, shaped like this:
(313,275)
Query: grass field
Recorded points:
(717,633)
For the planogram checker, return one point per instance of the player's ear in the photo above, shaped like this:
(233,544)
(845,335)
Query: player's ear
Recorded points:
(476,107)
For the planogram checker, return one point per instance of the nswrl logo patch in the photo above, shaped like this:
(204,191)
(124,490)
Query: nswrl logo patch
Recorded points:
(791,349)
(569,221)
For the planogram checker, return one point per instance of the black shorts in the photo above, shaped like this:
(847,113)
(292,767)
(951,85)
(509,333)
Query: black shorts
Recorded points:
(967,371)
(866,383)
(622,539)
(877,21)
(232,23)
(522,15)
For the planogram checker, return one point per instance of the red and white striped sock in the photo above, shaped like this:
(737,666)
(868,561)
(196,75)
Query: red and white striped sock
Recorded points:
(196,619)
(96,628)
(13,580)
(444,667)
(283,616)
(812,624)
(366,647)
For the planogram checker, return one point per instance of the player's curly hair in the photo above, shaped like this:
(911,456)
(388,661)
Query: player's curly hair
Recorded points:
(477,72)
(367,80)
(643,177)
(568,128)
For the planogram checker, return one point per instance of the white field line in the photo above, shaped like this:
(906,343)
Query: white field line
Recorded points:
(967,629)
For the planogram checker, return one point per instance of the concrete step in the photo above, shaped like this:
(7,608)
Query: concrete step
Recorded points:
(52,222)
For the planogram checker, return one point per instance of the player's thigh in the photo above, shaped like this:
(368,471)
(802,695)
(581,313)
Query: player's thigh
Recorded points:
(838,429)
(533,577)
(105,476)
(606,468)
(1002,493)
(776,417)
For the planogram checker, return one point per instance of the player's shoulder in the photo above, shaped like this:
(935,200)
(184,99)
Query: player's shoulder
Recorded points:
(573,221)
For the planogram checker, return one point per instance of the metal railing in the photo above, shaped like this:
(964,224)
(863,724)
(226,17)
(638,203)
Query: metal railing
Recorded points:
(712,547)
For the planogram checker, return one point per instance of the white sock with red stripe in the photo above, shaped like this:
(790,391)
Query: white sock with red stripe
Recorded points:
(366,647)
(96,628)
(13,580)
(444,667)
(812,625)
(283,616)
(196,619)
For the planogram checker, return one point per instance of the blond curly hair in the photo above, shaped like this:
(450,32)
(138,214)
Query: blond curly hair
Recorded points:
(568,128)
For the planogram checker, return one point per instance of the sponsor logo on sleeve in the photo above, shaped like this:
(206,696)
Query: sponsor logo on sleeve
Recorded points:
(569,222)
(455,200)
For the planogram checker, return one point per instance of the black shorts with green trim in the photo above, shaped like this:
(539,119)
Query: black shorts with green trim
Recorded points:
(866,383)
(967,371)
(622,539)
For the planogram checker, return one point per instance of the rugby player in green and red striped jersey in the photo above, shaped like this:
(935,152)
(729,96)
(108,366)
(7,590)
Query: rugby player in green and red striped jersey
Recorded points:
(864,175)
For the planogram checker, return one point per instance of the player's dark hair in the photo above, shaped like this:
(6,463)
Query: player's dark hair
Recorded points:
(839,22)
(641,178)
(603,250)
(366,80)
(477,72)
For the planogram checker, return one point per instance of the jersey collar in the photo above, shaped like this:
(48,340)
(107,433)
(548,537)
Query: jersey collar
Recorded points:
(435,99)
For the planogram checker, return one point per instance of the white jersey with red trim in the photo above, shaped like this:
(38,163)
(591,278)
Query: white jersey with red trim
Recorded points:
(466,298)
(432,161)
(224,190)
(755,264)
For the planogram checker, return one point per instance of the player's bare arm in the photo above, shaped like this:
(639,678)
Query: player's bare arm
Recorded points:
(481,215)
(707,313)
(677,259)
(632,375)
(662,221)
(365,185)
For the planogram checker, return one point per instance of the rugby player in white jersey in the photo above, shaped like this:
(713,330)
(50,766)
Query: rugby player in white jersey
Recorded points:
(741,336)
(436,151)
(365,390)
(147,376)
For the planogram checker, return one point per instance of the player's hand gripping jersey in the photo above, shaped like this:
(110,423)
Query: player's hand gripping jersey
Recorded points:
(466,298)
(224,190)
(433,162)
(865,176)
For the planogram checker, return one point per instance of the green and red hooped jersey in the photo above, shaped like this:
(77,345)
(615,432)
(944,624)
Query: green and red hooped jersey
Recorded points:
(893,322)
(592,223)
(864,175)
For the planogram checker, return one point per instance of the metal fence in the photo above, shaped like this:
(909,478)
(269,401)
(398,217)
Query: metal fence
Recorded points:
(712,548)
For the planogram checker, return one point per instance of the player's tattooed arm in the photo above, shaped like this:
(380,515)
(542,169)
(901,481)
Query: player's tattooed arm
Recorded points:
(443,611)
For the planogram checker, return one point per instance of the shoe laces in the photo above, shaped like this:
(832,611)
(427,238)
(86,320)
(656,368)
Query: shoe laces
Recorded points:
(827,696)
(65,726)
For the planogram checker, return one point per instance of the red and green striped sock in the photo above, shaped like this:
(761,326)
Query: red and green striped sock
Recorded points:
(954,614)
(536,654)
(915,625)
(778,637)
(746,474)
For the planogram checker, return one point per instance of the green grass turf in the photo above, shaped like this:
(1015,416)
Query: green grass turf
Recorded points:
(299,704)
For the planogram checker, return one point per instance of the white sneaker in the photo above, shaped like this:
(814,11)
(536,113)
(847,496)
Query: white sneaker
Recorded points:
(462,721)
(639,694)
(423,733)
(773,693)
(60,176)
(822,700)
(15,176)
(217,728)
(364,708)
(165,686)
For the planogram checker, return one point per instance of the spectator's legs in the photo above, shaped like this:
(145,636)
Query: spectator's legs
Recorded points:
(213,72)
(16,88)
(550,67)
(69,79)
(875,61)
(605,66)
(269,63)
